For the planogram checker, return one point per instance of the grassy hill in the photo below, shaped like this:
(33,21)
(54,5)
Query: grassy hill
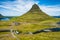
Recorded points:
(35,14)
(35,19)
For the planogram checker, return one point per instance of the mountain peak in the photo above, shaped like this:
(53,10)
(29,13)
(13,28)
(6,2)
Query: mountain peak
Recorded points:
(35,7)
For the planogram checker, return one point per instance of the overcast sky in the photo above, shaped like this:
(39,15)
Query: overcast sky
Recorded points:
(19,7)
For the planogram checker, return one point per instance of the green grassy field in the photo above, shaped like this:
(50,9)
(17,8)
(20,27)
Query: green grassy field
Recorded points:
(32,27)
(32,21)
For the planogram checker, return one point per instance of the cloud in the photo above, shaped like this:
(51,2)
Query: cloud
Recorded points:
(51,10)
(22,6)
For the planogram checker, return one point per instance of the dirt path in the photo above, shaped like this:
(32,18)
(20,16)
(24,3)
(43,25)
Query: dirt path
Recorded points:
(12,33)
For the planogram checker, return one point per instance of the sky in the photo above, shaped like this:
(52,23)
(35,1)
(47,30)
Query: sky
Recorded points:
(19,7)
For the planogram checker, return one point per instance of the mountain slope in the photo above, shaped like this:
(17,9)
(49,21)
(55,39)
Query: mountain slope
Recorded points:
(33,15)
(1,16)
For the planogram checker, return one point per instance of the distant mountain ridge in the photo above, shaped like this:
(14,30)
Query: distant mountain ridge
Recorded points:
(5,17)
(1,16)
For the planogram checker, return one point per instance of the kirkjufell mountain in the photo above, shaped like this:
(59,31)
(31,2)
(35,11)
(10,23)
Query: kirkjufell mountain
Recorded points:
(33,15)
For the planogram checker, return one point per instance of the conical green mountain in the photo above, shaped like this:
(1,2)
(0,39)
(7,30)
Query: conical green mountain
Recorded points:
(33,15)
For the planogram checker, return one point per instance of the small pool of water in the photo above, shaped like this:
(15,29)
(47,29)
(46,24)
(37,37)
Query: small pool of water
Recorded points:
(50,30)
(55,29)
(5,19)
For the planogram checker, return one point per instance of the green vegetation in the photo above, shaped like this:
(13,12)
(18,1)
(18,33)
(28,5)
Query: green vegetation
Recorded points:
(33,15)
(32,21)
